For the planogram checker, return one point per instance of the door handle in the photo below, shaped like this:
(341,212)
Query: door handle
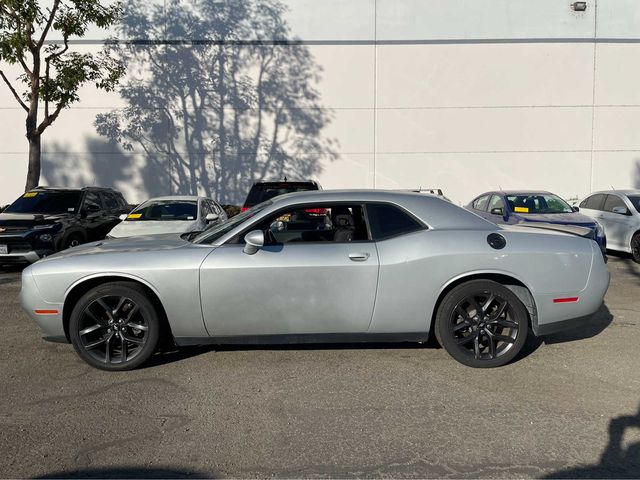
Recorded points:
(358,257)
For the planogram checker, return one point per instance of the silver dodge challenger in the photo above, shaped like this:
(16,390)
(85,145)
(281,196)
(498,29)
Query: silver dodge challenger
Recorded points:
(321,266)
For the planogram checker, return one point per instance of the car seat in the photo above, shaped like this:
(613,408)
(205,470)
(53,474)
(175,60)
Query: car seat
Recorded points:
(343,224)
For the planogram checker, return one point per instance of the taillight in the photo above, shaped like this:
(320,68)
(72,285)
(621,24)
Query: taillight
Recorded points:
(244,209)
(316,211)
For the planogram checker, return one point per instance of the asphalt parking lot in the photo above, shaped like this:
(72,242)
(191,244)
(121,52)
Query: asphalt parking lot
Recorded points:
(568,407)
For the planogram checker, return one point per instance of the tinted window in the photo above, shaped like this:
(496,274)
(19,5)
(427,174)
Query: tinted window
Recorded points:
(481,203)
(166,210)
(496,202)
(49,202)
(635,200)
(388,221)
(92,199)
(110,201)
(262,192)
(613,201)
(594,202)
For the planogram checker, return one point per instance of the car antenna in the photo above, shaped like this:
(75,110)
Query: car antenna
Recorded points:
(285,178)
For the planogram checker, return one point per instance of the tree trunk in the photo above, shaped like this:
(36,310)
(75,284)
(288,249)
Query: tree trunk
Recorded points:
(33,174)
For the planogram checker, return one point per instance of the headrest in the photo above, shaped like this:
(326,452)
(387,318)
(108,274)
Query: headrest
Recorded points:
(343,221)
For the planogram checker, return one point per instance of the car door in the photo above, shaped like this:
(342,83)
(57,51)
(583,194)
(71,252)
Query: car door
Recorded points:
(112,212)
(479,206)
(495,203)
(307,279)
(616,225)
(93,217)
(592,206)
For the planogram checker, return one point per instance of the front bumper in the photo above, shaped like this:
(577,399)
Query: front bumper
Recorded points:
(47,315)
(24,248)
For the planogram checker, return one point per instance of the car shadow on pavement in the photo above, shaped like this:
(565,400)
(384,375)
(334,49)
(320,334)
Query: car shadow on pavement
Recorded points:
(616,461)
(127,472)
(590,328)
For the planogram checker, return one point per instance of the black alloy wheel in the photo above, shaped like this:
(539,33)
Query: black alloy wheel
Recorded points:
(115,326)
(482,324)
(635,248)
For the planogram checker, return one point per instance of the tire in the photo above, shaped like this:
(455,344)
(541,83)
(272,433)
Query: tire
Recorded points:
(115,326)
(488,340)
(73,240)
(635,248)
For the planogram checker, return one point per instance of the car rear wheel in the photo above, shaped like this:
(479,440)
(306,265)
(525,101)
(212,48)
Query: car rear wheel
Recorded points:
(115,326)
(635,248)
(482,324)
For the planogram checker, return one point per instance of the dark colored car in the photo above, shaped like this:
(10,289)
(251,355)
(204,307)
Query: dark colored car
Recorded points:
(263,191)
(46,220)
(529,207)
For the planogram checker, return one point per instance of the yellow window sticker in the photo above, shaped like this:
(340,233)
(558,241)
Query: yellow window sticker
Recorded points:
(30,194)
(521,209)
(134,216)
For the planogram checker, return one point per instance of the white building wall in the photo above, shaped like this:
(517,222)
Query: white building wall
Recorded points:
(465,95)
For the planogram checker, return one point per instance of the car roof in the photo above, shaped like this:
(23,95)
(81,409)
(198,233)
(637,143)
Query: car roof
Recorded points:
(285,182)
(177,198)
(516,192)
(623,192)
(72,189)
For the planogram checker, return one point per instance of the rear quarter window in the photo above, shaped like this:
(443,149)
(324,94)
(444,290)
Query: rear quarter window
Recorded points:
(388,221)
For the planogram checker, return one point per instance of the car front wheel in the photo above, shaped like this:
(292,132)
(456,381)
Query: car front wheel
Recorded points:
(635,248)
(115,326)
(482,324)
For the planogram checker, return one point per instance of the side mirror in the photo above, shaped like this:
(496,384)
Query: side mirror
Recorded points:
(497,211)
(254,241)
(576,208)
(620,210)
(211,217)
(123,216)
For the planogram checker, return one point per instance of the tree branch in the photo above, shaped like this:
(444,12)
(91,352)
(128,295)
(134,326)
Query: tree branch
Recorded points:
(49,119)
(52,15)
(13,90)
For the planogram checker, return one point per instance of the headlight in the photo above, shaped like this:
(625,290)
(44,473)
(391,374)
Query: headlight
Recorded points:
(599,230)
(43,227)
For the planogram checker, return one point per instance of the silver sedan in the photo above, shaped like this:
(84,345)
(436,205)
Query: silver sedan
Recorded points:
(325,266)
(618,211)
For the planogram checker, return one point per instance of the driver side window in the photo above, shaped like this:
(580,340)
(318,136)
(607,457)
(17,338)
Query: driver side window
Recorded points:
(313,223)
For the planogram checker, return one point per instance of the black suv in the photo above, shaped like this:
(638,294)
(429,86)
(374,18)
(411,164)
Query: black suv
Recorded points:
(46,220)
(263,191)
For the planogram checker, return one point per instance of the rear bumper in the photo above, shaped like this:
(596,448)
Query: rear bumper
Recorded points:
(554,317)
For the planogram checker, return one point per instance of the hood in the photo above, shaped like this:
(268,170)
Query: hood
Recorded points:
(135,244)
(573,218)
(137,228)
(26,221)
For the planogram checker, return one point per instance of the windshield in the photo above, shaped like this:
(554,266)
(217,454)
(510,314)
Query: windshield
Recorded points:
(165,210)
(538,203)
(262,192)
(216,231)
(635,199)
(46,202)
